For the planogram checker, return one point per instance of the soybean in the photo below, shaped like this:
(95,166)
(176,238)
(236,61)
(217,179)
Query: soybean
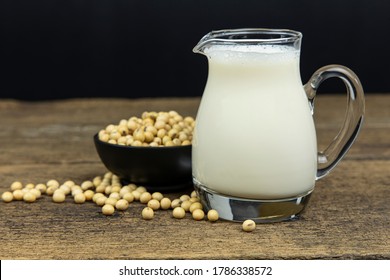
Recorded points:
(18,194)
(129,197)
(147,213)
(198,214)
(100,201)
(108,209)
(58,196)
(29,197)
(178,213)
(157,195)
(175,203)
(212,215)
(186,205)
(145,197)
(165,203)
(194,206)
(154,204)
(16,186)
(79,198)
(7,196)
(248,225)
(122,204)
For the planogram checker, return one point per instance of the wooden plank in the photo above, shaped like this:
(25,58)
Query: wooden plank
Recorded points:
(347,217)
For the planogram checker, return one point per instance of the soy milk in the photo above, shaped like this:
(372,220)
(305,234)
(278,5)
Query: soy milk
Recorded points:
(254,135)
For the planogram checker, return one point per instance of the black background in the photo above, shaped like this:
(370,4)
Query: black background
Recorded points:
(125,48)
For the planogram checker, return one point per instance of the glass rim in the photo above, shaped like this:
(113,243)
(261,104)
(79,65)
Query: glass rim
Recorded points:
(249,36)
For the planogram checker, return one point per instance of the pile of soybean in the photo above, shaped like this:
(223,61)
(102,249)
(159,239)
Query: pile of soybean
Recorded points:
(152,129)
(108,192)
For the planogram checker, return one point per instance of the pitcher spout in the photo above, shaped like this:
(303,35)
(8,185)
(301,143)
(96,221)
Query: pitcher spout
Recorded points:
(215,37)
(205,41)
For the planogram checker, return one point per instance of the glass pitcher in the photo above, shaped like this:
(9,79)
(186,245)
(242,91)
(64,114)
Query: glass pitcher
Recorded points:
(254,153)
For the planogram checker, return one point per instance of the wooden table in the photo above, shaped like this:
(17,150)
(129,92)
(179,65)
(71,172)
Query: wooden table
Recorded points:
(348,216)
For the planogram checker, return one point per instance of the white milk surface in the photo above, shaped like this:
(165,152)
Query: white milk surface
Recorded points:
(254,135)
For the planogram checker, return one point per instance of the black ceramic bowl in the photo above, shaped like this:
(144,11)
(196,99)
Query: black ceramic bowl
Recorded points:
(156,168)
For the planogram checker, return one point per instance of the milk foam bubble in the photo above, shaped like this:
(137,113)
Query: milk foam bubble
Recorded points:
(255,53)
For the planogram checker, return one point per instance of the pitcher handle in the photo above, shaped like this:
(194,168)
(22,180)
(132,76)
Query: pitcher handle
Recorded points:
(353,120)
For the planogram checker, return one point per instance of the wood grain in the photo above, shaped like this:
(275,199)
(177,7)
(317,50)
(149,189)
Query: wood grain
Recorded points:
(347,217)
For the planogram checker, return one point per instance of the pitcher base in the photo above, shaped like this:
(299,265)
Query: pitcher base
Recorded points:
(259,210)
